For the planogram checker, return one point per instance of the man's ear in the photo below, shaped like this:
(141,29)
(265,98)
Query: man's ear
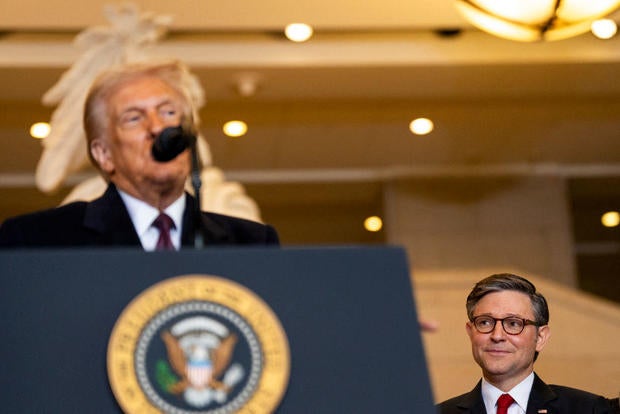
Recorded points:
(101,154)
(469,329)
(544,333)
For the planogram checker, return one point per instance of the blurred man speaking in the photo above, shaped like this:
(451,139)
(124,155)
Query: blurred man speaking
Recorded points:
(145,204)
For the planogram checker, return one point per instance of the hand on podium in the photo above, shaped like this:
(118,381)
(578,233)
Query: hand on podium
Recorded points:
(428,325)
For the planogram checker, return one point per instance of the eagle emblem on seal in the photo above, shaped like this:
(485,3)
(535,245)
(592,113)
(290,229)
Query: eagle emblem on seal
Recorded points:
(199,367)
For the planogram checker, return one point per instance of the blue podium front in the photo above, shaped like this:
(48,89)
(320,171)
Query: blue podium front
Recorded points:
(290,330)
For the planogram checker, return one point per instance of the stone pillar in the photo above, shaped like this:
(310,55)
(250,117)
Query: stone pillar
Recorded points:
(470,223)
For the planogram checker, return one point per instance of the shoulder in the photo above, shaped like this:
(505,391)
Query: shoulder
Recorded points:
(559,398)
(460,404)
(242,231)
(580,398)
(48,216)
(573,392)
(33,228)
(450,405)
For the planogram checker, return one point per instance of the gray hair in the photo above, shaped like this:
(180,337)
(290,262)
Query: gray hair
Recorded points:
(506,281)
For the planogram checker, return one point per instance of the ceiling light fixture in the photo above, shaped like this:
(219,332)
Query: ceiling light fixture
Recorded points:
(40,130)
(373,224)
(298,32)
(421,126)
(610,219)
(604,28)
(235,128)
(534,20)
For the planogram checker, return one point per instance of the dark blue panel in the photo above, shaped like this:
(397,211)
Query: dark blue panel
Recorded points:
(348,314)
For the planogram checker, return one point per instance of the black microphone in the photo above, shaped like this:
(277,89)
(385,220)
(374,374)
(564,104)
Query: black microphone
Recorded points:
(168,145)
(171,142)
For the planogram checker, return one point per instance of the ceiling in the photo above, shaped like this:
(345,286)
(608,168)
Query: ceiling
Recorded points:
(336,109)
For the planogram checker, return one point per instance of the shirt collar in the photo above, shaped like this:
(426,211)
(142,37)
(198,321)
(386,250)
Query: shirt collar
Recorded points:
(520,393)
(142,214)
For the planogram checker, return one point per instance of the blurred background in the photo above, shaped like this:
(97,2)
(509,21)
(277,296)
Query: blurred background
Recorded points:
(520,166)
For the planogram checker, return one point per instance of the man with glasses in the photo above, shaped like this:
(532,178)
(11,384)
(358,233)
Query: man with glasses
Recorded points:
(508,327)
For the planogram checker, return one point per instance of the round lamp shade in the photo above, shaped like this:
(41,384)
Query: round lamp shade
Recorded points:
(534,20)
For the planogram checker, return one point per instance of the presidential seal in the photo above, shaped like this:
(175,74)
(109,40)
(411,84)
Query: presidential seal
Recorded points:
(198,344)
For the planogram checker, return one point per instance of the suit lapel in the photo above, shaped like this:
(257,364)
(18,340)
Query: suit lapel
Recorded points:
(541,398)
(108,217)
(472,402)
(213,232)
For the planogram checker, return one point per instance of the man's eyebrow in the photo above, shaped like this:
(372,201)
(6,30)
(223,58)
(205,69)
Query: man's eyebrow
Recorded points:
(128,110)
(506,315)
(138,107)
(168,102)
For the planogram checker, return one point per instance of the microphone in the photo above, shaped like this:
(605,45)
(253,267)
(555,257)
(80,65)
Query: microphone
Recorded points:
(171,142)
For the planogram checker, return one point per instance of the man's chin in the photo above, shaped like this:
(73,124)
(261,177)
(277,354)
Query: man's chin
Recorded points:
(494,367)
(169,172)
(167,182)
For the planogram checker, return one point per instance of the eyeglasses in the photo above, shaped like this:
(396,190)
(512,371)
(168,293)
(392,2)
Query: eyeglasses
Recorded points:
(512,325)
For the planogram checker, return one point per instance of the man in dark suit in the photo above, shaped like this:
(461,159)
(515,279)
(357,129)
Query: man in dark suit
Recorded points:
(126,110)
(508,327)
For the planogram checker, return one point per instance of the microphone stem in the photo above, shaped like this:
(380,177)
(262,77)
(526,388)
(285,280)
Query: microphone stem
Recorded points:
(196,184)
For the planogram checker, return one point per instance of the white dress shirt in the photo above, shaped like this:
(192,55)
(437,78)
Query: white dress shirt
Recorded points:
(520,393)
(142,216)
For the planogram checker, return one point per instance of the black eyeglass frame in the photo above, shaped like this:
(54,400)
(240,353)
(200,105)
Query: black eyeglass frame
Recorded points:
(495,320)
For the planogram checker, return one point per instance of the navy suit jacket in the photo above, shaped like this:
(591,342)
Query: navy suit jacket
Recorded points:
(555,399)
(106,222)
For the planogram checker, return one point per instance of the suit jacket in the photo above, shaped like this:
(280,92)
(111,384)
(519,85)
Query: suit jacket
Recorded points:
(106,222)
(555,399)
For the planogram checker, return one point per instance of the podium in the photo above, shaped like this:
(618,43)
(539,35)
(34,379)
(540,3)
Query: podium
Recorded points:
(347,313)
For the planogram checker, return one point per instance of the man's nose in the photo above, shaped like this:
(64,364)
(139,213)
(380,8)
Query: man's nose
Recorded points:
(155,123)
(498,332)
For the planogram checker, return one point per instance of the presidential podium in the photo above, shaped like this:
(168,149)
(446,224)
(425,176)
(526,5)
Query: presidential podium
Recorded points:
(290,330)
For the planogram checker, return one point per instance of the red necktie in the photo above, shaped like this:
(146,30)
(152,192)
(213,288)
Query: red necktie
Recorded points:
(503,402)
(164,223)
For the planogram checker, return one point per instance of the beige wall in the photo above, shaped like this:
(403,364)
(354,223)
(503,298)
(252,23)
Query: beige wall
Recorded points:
(473,222)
